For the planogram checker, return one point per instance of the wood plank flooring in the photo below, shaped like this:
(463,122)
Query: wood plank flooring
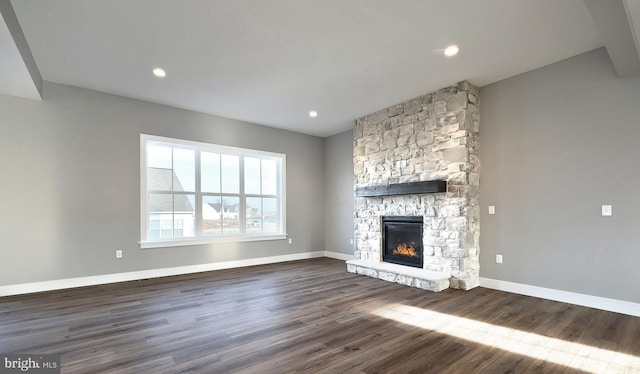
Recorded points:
(312,316)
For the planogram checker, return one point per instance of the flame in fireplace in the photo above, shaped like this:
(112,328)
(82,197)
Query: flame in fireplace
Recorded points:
(406,250)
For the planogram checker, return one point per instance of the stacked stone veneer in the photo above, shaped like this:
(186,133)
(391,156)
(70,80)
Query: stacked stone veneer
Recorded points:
(431,137)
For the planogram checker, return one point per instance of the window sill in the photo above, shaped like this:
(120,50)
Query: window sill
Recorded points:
(200,241)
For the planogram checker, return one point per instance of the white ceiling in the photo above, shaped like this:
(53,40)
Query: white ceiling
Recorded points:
(272,61)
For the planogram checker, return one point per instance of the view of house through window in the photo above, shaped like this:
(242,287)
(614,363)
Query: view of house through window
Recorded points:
(197,190)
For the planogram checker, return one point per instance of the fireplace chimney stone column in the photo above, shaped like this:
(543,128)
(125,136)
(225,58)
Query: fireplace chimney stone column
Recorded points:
(431,137)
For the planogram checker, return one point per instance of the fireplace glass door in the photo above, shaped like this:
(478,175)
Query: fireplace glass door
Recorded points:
(402,240)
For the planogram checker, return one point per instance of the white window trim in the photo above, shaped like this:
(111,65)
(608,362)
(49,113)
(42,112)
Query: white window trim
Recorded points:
(209,240)
(144,221)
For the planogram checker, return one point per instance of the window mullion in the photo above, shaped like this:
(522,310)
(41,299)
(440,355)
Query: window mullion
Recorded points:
(173,196)
(198,197)
(261,201)
(243,200)
(280,195)
(220,189)
(144,210)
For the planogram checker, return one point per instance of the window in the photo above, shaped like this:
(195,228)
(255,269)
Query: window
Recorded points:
(193,193)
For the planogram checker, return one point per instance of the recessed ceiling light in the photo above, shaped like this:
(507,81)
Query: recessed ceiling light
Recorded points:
(313,114)
(159,72)
(451,51)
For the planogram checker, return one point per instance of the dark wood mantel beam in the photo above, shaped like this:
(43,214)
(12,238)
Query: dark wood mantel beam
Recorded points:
(410,188)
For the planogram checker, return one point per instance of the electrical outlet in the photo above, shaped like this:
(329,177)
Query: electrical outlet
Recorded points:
(351,241)
(498,259)
(118,254)
(290,241)
(492,209)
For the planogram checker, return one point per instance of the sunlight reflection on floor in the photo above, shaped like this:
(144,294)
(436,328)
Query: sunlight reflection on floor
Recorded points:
(573,355)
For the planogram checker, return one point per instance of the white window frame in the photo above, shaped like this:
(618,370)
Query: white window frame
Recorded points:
(214,148)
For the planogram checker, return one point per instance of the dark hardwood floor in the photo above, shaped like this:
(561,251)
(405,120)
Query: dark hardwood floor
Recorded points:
(312,316)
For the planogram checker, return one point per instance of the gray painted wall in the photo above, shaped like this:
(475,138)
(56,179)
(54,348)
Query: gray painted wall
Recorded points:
(339,193)
(70,184)
(555,144)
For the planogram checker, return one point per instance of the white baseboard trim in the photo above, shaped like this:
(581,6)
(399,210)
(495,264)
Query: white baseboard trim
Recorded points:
(612,305)
(338,255)
(26,288)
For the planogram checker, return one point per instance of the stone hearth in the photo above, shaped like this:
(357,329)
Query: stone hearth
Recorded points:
(431,137)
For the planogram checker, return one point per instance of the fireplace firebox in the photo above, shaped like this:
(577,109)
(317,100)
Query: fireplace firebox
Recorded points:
(402,240)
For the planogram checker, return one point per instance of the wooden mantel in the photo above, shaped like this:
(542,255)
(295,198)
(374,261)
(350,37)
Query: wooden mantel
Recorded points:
(410,188)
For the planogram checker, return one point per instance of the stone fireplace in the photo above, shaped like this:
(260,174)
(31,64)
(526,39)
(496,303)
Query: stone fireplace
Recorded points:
(429,138)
